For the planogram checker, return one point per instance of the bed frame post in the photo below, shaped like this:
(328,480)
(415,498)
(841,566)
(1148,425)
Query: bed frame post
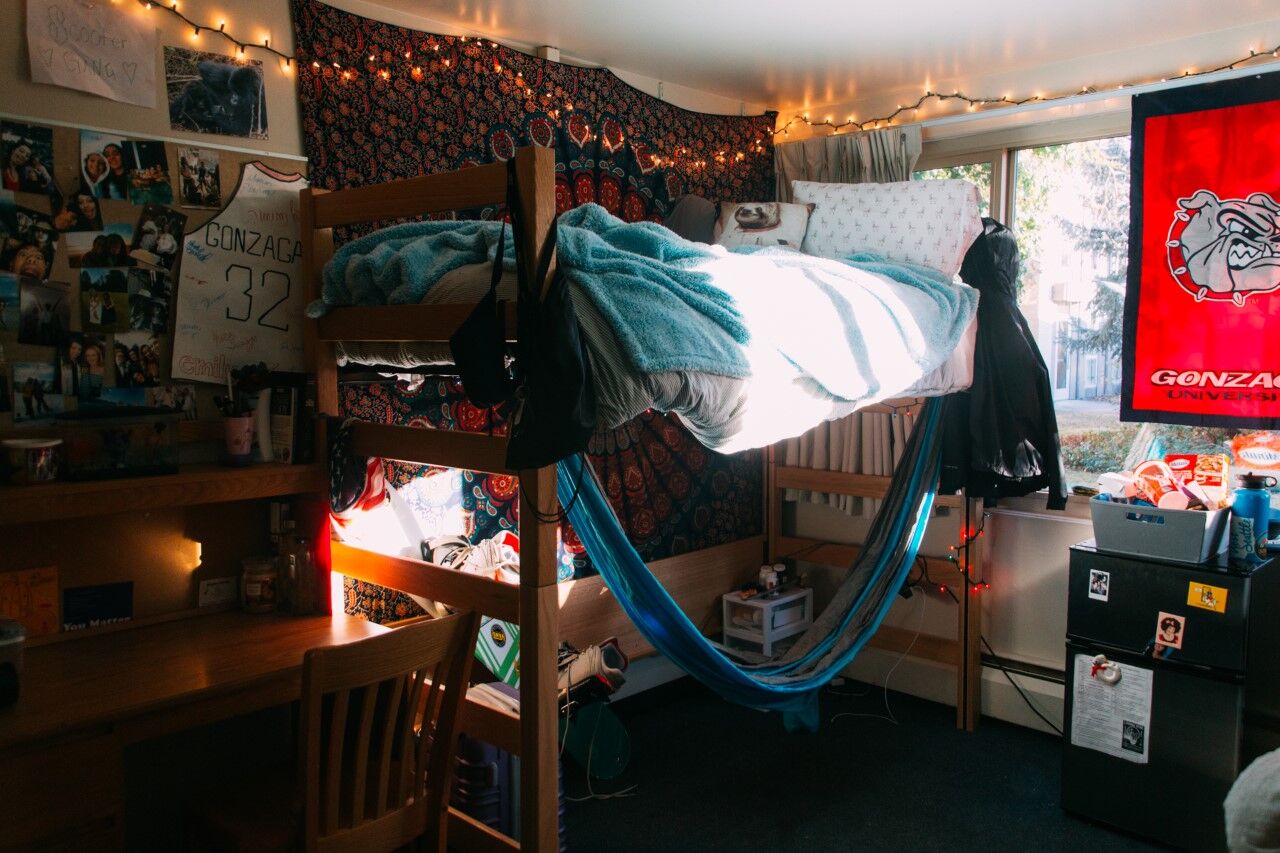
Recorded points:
(539,601)
(969,676)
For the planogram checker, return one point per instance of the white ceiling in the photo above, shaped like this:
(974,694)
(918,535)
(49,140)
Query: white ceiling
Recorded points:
(792,54)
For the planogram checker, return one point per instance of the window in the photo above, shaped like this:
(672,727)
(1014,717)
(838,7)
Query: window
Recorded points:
(1069,207)
(974,173)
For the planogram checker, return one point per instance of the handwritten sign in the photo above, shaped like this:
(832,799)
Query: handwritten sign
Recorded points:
(240,297)
(96,47)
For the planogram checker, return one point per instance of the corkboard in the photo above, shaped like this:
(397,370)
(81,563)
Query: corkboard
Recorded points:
(66,145)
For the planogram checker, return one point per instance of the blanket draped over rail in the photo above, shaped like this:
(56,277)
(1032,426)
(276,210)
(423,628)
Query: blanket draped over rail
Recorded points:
(748,347)
(791,682)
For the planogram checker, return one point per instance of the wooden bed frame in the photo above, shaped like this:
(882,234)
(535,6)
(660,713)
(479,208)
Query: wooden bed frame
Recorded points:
(579,611)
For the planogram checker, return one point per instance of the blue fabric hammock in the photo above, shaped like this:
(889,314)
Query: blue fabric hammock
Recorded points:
(791,682)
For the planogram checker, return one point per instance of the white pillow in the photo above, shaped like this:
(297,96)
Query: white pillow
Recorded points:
(761,223)
(931,222)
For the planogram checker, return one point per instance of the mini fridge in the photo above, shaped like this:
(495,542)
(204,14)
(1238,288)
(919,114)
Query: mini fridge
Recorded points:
(1185,694)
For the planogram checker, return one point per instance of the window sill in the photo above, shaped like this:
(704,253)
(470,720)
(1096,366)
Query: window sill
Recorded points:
(1077,510)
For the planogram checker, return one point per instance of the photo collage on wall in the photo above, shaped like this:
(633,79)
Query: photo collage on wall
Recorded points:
(86,290)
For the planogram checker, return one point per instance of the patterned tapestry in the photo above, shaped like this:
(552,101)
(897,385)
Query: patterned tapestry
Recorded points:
(671,493)
(380,102)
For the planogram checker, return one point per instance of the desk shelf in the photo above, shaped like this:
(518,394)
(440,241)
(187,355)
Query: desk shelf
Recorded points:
(191,486)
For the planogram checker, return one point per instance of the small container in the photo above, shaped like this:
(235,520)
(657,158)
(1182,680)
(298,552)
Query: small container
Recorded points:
(239,439)
(258,585)
(32,460)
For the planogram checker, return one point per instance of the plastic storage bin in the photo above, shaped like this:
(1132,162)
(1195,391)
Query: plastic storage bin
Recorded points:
(761,622)
(119,441)
(1185,535)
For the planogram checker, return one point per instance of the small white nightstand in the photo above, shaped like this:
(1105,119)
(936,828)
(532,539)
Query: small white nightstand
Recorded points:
(760,622)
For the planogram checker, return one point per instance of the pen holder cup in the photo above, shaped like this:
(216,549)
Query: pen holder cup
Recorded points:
(239,436)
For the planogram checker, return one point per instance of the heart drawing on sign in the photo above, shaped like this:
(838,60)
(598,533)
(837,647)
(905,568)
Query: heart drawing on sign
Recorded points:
(130,69)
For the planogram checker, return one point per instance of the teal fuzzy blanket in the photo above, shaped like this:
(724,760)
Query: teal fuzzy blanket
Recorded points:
(666,315)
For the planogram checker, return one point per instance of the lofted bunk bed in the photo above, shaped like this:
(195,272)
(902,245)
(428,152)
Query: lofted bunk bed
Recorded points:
(546,609)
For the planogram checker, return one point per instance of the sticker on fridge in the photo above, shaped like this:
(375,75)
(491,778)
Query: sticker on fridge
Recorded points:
(1207,597)
(1099,585)
(1112,717)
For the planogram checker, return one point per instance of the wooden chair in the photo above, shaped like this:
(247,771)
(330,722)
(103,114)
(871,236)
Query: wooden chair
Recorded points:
(378,728)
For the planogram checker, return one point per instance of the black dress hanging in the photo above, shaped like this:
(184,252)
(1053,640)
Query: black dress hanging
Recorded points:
(1001,436)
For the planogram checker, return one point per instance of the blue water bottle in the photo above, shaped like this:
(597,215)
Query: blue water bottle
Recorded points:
(1252,499)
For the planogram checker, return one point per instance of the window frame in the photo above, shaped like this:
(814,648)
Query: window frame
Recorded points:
(999,147)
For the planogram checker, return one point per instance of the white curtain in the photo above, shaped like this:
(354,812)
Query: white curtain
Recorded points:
(858,444)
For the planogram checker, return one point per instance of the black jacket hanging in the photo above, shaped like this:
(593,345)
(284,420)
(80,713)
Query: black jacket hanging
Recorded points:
(1001,436)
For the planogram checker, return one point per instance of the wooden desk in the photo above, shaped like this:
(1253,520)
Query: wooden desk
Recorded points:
(83,700)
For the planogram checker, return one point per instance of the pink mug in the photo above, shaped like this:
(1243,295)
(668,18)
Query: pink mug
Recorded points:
(239,434)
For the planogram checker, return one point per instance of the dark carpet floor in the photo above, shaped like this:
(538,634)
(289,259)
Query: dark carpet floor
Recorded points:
(709,776)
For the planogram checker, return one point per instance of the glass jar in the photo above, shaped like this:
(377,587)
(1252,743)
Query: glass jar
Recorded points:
(258,585)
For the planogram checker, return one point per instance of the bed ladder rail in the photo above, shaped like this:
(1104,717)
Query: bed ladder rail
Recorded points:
(470,451)
(964,651)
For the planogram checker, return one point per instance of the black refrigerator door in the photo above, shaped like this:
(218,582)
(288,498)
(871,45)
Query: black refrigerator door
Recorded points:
(1118,601)
(1192,758)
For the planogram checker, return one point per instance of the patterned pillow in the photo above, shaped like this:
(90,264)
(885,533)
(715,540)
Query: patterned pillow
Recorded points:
(931,223)
(762,223)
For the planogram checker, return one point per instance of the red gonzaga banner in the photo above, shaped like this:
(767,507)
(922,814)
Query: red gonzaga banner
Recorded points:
(1202,308)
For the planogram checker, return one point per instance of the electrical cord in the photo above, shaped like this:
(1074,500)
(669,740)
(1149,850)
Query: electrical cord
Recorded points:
(888,715)
(1009,676)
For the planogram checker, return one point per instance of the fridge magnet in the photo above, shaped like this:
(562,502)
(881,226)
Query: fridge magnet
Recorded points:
(1207,597)
(1170,629)
(46,312)
(1099,585)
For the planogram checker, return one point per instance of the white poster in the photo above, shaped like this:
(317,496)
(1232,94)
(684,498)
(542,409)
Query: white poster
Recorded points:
(102,48)
(1112,715)
(240,297)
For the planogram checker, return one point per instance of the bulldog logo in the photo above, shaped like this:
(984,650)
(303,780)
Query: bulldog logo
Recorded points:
(1225,249)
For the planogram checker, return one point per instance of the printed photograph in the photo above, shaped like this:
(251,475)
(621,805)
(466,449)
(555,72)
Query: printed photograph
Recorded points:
(149,181)
(37,395)
(104,300)
(1099,585)
(214,93)
(149,293)
(1133,736)
(104,170)
(1169,630)
(46,312)
(137,360)
(106,248)
(179,397)
(80,212)
(30,244)
(84,366)
(8,302)
(198,171)
(27,153)
(158,236)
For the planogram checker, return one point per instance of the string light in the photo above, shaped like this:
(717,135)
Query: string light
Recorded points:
(1006,100)
(468,48)
(221,29)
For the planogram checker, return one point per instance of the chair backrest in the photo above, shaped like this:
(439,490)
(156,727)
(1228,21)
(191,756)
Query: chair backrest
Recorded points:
(378,731)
